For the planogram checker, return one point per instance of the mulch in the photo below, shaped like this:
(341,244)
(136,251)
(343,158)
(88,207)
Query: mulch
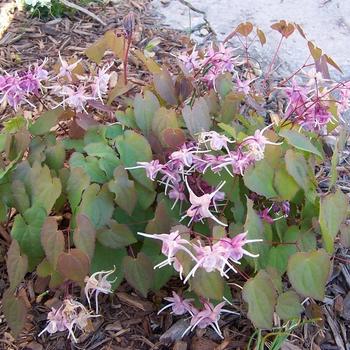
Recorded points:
(130,322)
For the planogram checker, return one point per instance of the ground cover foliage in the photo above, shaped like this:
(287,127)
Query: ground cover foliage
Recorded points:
(196,177)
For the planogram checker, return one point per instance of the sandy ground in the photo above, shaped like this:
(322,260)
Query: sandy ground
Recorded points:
(327,22)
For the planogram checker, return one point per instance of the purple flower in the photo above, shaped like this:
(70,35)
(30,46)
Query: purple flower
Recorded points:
(178,305)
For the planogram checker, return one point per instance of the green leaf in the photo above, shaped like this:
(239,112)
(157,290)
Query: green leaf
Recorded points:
(15,312)
(17,265)
(99,149)
(78,181)
(46,121)
(52,240)
(288,305)
(163,275)
(43,188)
(14,124)
(97,204)
(139,272)
(90,165)
(300,141)
(164,119)
(116,235)
(134,148)
(308,273)
(285,185)
(162,221)
(145,109)
(74,265)
(55,156)
(106,258)
(145,197)
(208,284)
(259,178)
(255,230)
(260,294)
(198,118)
(84,235)
(20,196)
(124,190)
(278,257)
(26,230)
(333,212)
(298,168)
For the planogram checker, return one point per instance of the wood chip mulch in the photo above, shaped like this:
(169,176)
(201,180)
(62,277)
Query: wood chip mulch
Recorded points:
(129,321)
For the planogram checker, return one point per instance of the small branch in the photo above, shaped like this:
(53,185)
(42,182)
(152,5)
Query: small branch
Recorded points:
(83,10)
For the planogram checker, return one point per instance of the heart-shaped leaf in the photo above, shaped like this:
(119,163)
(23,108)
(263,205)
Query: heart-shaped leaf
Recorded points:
(74,265)
(139,272)
(260,294)
(52,240)
(308,273)
(333,212)
(208,284)
(85,235)
(17,265)
(116,235)
(288,305)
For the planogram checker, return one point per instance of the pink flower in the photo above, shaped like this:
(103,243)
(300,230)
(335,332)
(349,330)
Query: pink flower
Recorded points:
(191,62)
(234,246)
(152,168)
(209,316)
(216,141)
(256,144)
(243,86)
(178,305)
(66,69)
(171,244)
(100,85)
(98,283)
(199,208)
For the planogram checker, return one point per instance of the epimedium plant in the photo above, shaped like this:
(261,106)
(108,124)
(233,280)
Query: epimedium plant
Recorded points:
(191,176)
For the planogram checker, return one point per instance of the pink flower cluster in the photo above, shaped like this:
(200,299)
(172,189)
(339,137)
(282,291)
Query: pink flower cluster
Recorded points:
(185,166)
(215,61)
(208,316)
(309,104)
(16,88)
(72,315)
(219,256)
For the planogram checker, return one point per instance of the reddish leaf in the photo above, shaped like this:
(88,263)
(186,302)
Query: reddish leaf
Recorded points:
(286,29)
(85,235)
(15,312)
(52,240)
(164,86)
(17,265)
(300,30)
(74,265)
(244,28)
(173,137)
(261,36)
(183,88)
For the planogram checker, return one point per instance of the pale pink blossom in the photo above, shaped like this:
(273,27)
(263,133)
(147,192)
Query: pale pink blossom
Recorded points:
(209,316)
(66,69)
(152,168)
(199,208)
(98,283)
(178,305)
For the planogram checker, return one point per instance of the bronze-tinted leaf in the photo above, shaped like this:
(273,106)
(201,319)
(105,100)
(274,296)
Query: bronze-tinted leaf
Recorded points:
(315,51)
(15,312)
(285,28)
(244,28)
(74,265)
(85,235)
(52,240)
(173,137)
(183,87)
(17,265)
(165,86)
(261,36)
